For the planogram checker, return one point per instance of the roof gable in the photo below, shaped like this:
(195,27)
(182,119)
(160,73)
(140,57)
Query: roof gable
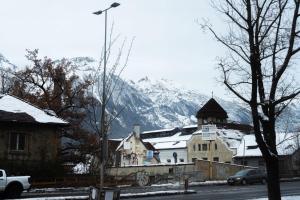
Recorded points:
(212,109)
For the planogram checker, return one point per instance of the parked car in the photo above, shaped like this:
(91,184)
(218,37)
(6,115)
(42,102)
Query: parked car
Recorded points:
(13,186)
(248,176)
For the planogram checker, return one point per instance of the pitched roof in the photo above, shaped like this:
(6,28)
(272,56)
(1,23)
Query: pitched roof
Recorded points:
(147,145)
(212,109)
(287,144)
(13,109)
(176,141)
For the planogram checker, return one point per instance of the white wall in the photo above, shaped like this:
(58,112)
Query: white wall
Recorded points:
(165,154)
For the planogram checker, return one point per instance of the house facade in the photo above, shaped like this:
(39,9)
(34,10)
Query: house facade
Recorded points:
(170,143)
(29,136)
(133,151)
(216,150)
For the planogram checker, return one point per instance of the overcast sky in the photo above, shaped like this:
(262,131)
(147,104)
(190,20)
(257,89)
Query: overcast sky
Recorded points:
(168,42)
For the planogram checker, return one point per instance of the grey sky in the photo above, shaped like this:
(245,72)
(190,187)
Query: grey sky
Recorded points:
(169,43)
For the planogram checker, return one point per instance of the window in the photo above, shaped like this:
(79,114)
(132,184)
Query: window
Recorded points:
(199,147)
(204,158)
(168,160)
(181,160)
(1,173)
(17,142)
(216,146)
(216,159)
(194,147)
(204,147)
(252,147)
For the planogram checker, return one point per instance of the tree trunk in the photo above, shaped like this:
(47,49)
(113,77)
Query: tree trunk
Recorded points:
(272,165)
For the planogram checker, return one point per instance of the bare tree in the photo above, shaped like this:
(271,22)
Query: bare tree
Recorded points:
(117,61)
(263,40)
(54,86)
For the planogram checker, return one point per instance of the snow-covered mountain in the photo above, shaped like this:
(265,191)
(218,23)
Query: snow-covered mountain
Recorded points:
(5,63)
(158,104)
(163,104)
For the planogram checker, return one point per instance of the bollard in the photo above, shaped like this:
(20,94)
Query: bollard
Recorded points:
(186,184)
(94,193)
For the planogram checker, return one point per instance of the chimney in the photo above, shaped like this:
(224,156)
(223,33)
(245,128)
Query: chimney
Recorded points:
(137,130)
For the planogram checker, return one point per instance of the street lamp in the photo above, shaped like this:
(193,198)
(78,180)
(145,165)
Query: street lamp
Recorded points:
(102,123)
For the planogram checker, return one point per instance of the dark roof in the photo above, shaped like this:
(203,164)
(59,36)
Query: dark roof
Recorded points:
(113,144)
(212,109)
(246,128)
(149,146)
(22,118)
(16,117)
(159,133)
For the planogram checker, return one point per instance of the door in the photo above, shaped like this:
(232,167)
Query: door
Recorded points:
(2,180)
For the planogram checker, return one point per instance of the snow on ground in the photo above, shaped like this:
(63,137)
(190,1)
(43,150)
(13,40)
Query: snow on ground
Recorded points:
(283,198)
(56,198)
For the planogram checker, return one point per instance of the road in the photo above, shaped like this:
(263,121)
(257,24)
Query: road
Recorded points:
(213,192)
(232,192)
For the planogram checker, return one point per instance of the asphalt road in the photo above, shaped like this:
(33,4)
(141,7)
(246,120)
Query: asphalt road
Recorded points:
(213,192)
(232,192)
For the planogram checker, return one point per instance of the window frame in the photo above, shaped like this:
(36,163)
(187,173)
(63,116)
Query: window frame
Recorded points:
(19,136)
(206,147)
(216,159)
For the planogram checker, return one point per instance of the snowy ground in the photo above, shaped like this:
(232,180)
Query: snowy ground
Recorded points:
(57,198)
(283,198)
(141,195)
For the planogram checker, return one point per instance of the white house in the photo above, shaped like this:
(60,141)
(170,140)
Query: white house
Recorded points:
(171,148)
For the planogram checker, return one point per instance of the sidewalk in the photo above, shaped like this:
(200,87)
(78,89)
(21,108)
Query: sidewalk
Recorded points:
(136,192)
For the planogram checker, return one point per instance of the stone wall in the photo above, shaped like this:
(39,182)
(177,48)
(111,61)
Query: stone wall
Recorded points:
(220,171)
(198,171)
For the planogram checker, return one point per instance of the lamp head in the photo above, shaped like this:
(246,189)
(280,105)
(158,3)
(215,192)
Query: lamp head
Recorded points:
(98,12)
(114,5)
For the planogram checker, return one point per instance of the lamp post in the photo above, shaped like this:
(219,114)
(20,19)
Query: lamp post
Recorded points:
(103,105)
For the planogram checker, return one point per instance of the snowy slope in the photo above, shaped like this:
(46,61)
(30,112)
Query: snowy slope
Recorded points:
(157,104)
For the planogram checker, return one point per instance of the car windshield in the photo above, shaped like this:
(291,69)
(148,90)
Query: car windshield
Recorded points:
(242,173)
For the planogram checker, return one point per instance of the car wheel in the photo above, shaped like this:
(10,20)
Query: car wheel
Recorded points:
(244,182)
(13,191)
(263,181)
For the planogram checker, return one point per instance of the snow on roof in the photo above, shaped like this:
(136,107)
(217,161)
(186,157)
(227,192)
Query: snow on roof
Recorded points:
(174,138)
(160,130)
(15,105)
(190,126)
(172,142)
(287,143)
(231,137)
(170,145)
(124,140)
